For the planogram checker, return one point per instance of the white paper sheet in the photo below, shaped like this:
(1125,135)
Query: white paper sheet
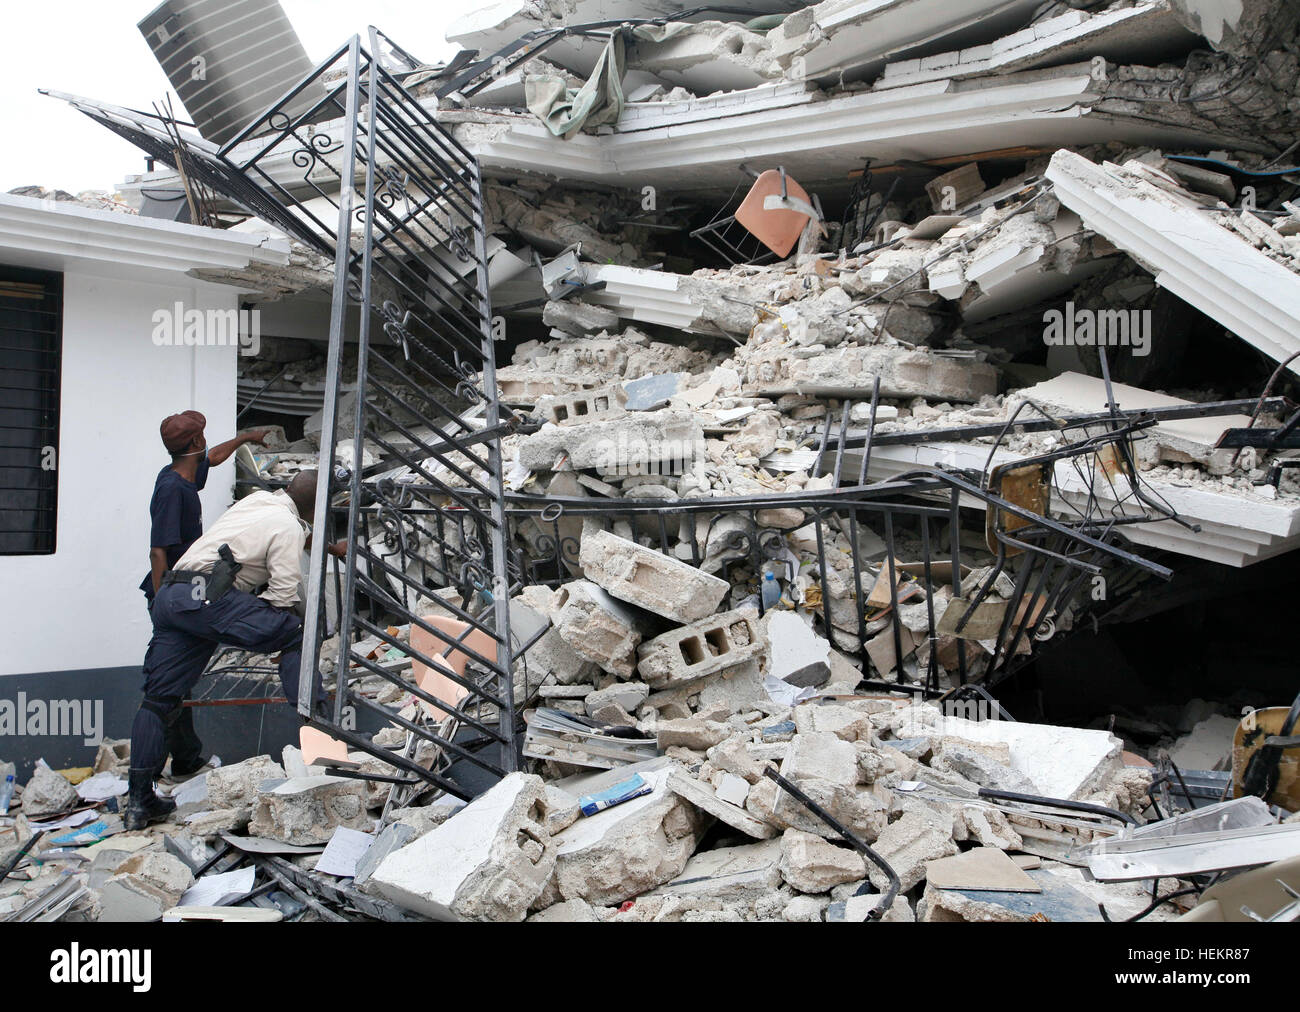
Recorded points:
(101,787)
(345,849)
(209,889)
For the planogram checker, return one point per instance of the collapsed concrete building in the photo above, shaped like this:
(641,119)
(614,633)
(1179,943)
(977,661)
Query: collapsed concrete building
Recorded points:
(737,422)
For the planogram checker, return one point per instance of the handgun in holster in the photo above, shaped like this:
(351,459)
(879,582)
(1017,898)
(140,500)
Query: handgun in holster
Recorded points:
(223,575)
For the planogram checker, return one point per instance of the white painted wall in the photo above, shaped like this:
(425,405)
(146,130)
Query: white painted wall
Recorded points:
(81,608)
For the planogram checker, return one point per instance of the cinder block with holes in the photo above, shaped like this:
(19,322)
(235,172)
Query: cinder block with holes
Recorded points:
(710,647)
(584,405)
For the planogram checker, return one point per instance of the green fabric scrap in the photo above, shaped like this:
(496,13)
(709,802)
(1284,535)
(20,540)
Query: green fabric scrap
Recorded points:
(566,111)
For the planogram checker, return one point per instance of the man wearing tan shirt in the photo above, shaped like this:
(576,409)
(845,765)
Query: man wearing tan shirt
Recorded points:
(198,606)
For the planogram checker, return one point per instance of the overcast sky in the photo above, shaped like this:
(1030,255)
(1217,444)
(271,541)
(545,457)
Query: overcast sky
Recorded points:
(94,49)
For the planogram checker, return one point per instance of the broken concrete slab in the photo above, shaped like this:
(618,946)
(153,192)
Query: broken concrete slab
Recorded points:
(236,785)
(47,793)
(488,862)
(307,810)
(650,579)
(145,885)
(691,732)
(626,850)
(812,865)
(907,846)
(736,877)
(1062,762)
(1190,251)
(982,868)
(707,799)
(649,442)
(628,695)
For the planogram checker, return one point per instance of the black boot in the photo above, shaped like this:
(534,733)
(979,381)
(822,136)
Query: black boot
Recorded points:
(143,805)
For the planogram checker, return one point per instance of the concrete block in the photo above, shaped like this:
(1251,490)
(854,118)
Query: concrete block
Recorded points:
(841,721)
(692,733)
(805,909)
(211,824)
(624,851)
(550,656)
(716,644)
(307,810)
(583,406)
(578,318)
(734,756)
(145,885)
(488,862)
(906,845)
(650,579)
(826,769)
(560,809)
(112,753)
(236,785)
(812,865)
(855,909)
(567,912)
(47,793)
(976,765)
(628,695)
(652,442)
(597,627)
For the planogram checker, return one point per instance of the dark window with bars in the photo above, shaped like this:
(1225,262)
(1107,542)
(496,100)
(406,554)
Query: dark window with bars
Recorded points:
(31,345)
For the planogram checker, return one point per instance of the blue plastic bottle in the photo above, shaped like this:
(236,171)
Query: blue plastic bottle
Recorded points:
(771,590)
(6,794)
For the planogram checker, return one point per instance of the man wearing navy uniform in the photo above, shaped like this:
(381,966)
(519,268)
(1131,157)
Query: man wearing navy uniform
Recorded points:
(177,522)
(237,584)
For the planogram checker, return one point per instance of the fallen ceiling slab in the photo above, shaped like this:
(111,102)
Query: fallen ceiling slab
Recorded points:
(851,38)
(1187,248)
(1118,34)
(937,119)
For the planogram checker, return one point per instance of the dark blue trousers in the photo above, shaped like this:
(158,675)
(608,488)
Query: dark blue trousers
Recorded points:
(186,632)
(182,743)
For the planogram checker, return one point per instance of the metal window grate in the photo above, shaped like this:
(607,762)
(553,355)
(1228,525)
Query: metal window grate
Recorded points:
(31,344)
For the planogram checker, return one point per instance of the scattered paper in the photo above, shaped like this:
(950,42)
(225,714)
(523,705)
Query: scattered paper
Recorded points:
(101,787)
(784,693)
(345,849)
(67,822)
(211,888)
